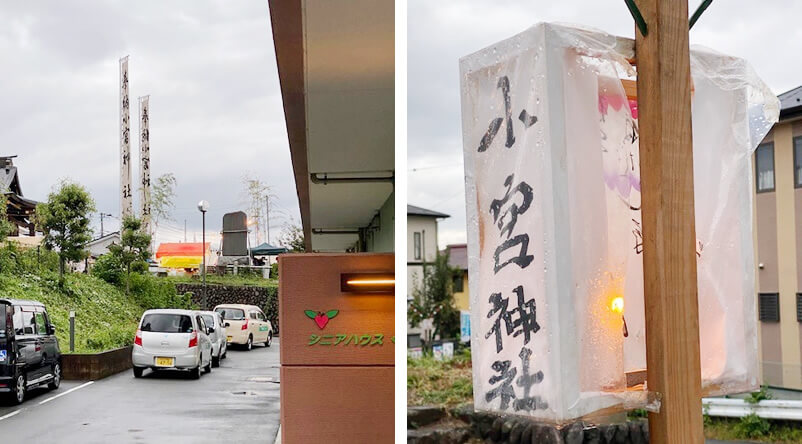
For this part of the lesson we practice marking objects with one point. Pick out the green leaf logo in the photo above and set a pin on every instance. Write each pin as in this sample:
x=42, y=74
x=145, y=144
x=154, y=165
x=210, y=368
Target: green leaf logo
x=332, y=313
x=310, y=314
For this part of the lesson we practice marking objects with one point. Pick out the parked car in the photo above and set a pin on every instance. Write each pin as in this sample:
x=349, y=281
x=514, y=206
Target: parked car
x=172, y=339
x=245, y=325
x=29, y=352
x=218, y=336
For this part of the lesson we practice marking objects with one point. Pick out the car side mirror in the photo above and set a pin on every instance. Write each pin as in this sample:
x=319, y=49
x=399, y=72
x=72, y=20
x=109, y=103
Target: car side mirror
x=51, y=329
x=227, y=325
x=210, y=330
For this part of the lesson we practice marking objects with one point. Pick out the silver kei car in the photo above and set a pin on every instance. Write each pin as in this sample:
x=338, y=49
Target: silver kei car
x=218, y=336
x=172, y=339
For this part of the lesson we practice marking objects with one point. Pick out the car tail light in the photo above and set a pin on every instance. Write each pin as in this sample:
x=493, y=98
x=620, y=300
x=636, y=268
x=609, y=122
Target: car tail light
x=193, y=339
x=138, y=338
x=245, y=325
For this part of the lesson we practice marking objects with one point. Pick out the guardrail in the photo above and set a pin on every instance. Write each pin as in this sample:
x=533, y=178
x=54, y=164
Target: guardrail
x=768, y=409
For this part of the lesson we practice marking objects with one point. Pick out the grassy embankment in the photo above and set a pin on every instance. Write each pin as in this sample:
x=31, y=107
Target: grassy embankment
x=105, y=317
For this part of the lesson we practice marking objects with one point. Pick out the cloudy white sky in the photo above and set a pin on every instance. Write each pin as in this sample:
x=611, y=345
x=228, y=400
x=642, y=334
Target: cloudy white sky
x=767, y=34
x=215, y=103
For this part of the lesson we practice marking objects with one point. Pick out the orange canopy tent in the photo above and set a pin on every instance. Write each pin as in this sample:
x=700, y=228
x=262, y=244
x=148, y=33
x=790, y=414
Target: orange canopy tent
x=181, y=255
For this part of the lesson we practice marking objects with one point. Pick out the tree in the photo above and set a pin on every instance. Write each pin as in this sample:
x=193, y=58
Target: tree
x=132, y=253
x=293, y=238
x=64, y=220
x=5, y=226
x=161, y=203
x=434, y=299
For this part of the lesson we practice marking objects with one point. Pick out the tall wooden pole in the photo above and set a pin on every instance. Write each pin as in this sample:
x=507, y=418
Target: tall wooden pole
x=669, y=235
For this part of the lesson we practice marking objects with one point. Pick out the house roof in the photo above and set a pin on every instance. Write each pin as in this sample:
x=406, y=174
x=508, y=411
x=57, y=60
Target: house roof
x=418, y=211
x=104, y=237
x=9, y=182
x=791, y=102
x=458, y=256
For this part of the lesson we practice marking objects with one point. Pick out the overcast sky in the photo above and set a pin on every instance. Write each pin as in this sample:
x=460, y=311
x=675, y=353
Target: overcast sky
x=767, y=34
x=215, y=104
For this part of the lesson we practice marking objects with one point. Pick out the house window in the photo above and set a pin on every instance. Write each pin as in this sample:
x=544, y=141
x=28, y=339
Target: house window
x=764, y=165
x=798, y=162
x=458, y=287
x=769, y=307
x=417, y=246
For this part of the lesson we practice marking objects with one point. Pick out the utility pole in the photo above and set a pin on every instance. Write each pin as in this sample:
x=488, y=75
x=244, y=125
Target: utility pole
x=185, y=231
x=267, y=220
x=102, y=215
x=669, y=233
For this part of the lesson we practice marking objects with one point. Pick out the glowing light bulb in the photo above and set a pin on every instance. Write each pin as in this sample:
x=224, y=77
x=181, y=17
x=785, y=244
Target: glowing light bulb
x=617, y=304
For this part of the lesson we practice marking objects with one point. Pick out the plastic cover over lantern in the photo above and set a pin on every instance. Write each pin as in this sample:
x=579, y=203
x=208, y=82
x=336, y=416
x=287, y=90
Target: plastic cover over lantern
x=550, y=137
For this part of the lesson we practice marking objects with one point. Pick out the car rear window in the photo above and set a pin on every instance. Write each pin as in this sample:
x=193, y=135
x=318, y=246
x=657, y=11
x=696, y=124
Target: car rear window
x=167, y=323
x=232, y=314
x=209, y=320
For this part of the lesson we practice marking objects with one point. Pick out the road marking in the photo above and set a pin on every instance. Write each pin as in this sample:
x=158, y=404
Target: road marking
x=15, y=412
x=65, y=393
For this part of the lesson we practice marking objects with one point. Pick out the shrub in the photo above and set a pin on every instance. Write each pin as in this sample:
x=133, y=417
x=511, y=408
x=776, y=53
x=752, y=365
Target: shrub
x=151, y=292
x=271, y=307
x=752, y=426
x=108, y=268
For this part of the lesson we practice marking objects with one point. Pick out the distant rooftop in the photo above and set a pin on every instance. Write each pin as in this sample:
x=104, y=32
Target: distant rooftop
x=791, y=102
x=418, y=211
x=458, y=256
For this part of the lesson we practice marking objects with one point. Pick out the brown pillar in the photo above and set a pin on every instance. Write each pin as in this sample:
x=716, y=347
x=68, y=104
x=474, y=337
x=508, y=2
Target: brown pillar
x=669, y=237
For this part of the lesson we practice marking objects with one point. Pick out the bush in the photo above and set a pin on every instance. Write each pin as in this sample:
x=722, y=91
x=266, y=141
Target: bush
x=271, y=307
x=752, y=426
x=109, y=268
x=152, y=292
x=17, y=259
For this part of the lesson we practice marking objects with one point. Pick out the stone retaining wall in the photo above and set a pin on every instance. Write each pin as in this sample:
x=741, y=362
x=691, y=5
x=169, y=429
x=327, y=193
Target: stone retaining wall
x=264, y=297
x=95, y=366
x=462, y=424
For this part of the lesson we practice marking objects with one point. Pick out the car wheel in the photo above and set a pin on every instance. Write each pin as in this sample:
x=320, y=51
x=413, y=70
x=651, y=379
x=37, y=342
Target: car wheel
x=195, y=373
x=269, y=339
x=225, y=351
x=208, y=368
x=56, y=377
x=138, y=372
x=19, y=389
x=249, y=344
x=215, y=362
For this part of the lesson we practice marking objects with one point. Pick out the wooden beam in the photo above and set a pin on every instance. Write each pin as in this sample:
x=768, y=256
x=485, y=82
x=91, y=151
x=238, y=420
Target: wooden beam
x=669, y=235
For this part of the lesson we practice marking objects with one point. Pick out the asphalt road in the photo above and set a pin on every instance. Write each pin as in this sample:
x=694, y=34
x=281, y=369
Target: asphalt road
x=236, y=402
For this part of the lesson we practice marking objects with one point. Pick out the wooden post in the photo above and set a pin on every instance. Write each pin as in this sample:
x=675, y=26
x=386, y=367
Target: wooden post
x=669, y=235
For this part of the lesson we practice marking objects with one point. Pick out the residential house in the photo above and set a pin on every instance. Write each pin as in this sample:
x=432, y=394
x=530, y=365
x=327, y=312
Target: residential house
x=458, y=260
x=421, y=249
x=100, y=245
x=778, y=236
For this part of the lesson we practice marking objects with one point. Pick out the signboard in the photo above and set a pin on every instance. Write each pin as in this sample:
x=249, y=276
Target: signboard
x=126, y=198
x=235, y=234
x=337, y=348
x=144, y=161
x=464, y=326
x=550, y=141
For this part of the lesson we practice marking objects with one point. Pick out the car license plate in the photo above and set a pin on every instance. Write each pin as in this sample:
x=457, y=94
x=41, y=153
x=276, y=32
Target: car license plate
x=164, y=362
x=228, y=338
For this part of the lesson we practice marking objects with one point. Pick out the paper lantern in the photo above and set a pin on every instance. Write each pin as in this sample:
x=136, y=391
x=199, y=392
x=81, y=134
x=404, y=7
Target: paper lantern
x=550, y=137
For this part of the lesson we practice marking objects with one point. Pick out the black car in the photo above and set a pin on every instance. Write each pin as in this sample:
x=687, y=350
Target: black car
x=29, y=353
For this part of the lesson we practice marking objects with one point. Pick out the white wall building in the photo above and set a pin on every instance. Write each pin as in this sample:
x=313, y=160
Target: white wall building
x=421, y=250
